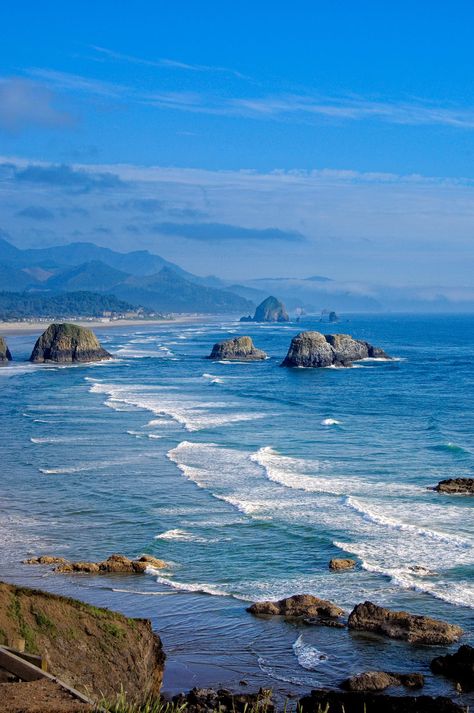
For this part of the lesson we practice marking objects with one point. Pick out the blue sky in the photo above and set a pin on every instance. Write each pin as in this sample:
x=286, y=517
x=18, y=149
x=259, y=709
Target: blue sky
x=244, y=138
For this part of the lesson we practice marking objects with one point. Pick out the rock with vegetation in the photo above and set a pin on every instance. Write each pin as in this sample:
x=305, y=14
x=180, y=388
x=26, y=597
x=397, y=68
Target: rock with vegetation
x=238, y=349
x=94, y=650
x=339, y=564
x=401, y=625
x=298, y=606
x=372, y=702
x=380, y=680
x=313, y=349
x=458, y=667
x=5, y=354
x=456, y=486
x=68, y=343
x=270, y=310
x=115, y=564
x=207, y=700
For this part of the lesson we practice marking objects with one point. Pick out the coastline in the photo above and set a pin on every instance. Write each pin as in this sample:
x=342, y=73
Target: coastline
x=16, y=328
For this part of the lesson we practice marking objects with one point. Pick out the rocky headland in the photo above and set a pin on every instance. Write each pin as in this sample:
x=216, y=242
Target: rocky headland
x=5, y=355
x=68, y=343
x=270, y=310
x=238, y=349
x=313, y=349
x=456, y=486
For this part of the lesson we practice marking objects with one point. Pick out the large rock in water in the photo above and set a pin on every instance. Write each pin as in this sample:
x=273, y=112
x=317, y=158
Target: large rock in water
x=456, y=486
x=380, y=680
x=401, y=625
x=94, y=650
x=238, y=349
x=5, y=355
x=458, y=667
x=270, y=310
x=297, y=606
x=313, y=349
x=68, y=343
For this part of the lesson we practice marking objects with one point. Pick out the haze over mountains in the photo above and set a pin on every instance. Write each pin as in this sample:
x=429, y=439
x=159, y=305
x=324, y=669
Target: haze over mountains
x=143, y=279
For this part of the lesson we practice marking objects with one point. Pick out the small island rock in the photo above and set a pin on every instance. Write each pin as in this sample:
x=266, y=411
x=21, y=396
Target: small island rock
x=68, y=343
x=115, y=564
x=380, y=680
x=313, y=349
x=238, y=349
x=338, y=564
x=299, y=605
x=5, y=354
x=458, y=667
x=400, y=625
x=456, y=486
x=270, y=310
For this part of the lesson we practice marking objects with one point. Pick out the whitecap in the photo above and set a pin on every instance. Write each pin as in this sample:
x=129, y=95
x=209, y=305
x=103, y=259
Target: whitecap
x=309, y=657
x=330, y=422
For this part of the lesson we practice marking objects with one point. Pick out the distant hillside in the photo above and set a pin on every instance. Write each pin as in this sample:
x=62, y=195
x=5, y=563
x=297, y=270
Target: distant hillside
x=28, y=305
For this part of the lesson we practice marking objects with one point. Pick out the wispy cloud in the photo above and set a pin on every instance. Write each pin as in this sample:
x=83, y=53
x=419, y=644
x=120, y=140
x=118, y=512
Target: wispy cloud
x=165, y=62
x=24, y=103
x=218, y=232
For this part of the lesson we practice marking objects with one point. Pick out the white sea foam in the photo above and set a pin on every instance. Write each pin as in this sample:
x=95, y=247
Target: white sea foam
x=196, y=588
x=330, y=422
x=309, y=657
x=213, y=379
x=60, y=439
x=186, y=536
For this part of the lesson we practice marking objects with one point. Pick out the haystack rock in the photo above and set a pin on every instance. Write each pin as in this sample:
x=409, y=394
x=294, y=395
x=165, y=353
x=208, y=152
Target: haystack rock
x=68, y=343
x=270, y=310
x=456, y=486
x=401, y=625
x=313, y=349
x=5, y=355
x=238, y=349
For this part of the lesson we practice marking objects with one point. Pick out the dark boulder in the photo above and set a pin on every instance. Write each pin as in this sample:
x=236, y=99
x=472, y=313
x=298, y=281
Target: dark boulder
x=401, y=625
x=380, y=680
x=298, y=606
x=270, y=310
x=5, y=354
x=68, y=343
x=370, y=702
x=313, y=349
x=458, y=667
x=238, y=349
x=456, y=486
x=207, y=700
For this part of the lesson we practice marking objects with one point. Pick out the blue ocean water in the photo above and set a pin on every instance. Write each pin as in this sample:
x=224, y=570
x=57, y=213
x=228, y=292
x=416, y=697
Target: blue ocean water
x=248, y=478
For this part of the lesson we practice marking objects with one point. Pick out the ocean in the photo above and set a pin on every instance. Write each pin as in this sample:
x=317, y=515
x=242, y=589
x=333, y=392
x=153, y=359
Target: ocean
x=248, y=478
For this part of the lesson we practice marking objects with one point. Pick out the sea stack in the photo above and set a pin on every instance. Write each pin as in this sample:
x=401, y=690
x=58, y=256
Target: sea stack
x=5, y=355
x=270, y=310
x=313, y=349
x=238, y=349
x=66, y=344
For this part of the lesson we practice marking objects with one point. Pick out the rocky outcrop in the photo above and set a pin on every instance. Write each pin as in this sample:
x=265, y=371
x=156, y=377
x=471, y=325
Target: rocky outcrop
x=380, y=680
x=370, y=702
x=207, y=700
x=68, y=343
x=456, y=486
x=115, y=564
x=96, y=651
x=313, y=349
x=339, y=564
x=401, y=625
x=298, y=606
x=458, y=667
x=5, y=354
x=270, y=310
x=238, y=349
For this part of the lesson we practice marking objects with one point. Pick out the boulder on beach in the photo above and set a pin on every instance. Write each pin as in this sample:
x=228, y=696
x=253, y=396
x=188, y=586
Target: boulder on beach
x=400, y=625
x=237, y=349
x=5, y=354
x=270, y=310
x=458, y=667
x=456, y=486
x=380, y=680
x=68, y=343
x=298, y=606
x=339, y=564
x=115, y=564
x=373, y=702
x=313, y=349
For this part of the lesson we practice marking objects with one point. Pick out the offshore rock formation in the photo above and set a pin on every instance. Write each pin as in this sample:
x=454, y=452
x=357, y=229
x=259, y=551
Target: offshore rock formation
x=313, y=349
x=298, y=606
x=340, y=564
x=371, y=702
x=5, y=355
x=456, y=486
x=115, y=564
x=270, y=310
x=458, y=667
x=94, y=650
x=238, y=349
x=68, y=343
x=401, y=625
x=380, y=680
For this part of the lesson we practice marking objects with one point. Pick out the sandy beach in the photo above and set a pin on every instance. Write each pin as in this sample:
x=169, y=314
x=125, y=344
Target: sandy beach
x=13, y=328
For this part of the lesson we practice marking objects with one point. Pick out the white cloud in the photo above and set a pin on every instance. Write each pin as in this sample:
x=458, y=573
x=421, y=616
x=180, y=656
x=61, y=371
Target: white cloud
x=24, y=103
